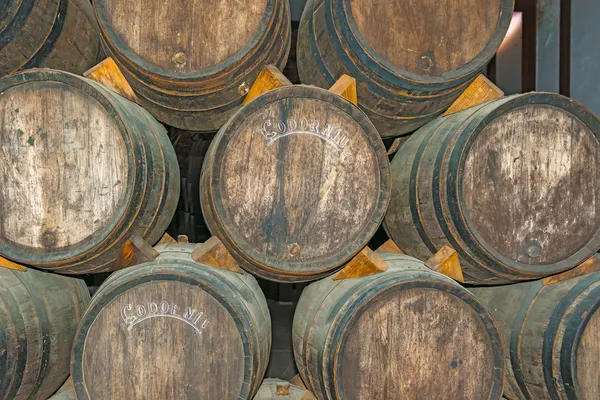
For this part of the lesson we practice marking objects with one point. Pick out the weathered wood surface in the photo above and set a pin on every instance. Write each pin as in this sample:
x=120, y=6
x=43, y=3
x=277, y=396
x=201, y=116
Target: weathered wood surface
x=551, y=335
x=480, y=91
x=346, y=87
x=66, y=391
x=406, y=333
x=276, y=389
x=446, y=262
x=39, y=314
x=177, y=329
x=108, y=74
x=295, y=184
x=406, y=77
x=82, y=171
x=365, y=263
x=191, y=64
x=511, y=185
x=61, y=34
x=269, y=78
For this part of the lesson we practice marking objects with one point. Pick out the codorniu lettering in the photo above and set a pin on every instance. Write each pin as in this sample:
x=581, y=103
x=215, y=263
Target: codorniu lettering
x=273, y=131
x=134, y=314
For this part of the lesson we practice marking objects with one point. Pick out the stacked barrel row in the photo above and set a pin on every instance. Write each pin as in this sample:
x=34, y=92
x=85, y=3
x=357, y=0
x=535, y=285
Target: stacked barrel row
x=293, y=186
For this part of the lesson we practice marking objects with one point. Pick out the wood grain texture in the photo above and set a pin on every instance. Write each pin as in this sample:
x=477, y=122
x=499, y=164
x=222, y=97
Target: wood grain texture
x=406, y=333
x=346, y=87
x=446, y=262
x=389, y=247
x=83, y=171
x=365, y=263
x=511, y=185
x=276, y=389
x=66, y=391
x=296, y=184
x=480, y=91
x=61, y=34
x=39, y=314
x=4, y=263
x=551, y=337
x=589, y=266
x=108, y=74
x=269, y=78
x=173, y=329
x=214, y=254
x=405, y=77
x=191, y=64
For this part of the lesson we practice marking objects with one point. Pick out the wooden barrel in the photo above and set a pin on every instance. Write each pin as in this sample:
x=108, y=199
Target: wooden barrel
x=295, y=184
x=406, y=333
x=61, y=34
x=66, y=391
x=39, y=314
x=192, y=63
x=512, y=186
x=411, y=59
x=551, y=335
x=276, y=389
x=178, y=329
x=82, y=170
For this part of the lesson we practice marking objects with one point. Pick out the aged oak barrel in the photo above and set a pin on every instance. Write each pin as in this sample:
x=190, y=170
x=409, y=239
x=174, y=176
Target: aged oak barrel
x=175, y=328
x=276, y=389
x=406, y=333
x=552, y=337
x=61, y=34
x=66, y=391
x=295, y=184
x=511, y=185
x=82, y=170
x=39, y=314
x=191, y=63
x=411, y=58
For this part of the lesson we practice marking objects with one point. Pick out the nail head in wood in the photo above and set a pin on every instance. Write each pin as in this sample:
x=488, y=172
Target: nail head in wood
x=214, y=254
x=346, y=87
x=446, y=262
x=269, y=78
x=365, y=263
x=107, y=73
x=480, y=91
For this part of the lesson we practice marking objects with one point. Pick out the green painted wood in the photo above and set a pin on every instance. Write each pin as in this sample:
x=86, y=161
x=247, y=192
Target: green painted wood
x=550, y=335
x=172, y=80
x=104, y=189
x=139, y=318
x=39, y=314
x=401, y=84
x=404, y=333
x=492, y=183
x=61, y=34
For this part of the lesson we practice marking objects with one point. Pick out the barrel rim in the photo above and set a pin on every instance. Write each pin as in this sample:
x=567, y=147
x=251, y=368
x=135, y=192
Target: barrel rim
x=29, y=255
x=458, y=160
x=238, y=245
x=391, y=73
x=343, y=324
x=112, y=40
x=140, y=276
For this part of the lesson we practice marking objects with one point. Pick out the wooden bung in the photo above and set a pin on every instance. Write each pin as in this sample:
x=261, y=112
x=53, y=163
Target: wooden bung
x=405, y=77
x=88, y=176
x=317, y=171
x=169, y=321
x=551, y=332
x=60, y=34
x=488, y=181
x=353, y=338
x=194, y=79
x=39, y=314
